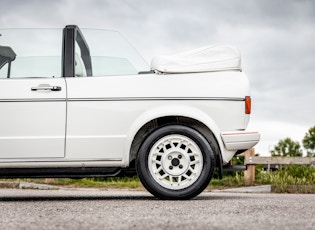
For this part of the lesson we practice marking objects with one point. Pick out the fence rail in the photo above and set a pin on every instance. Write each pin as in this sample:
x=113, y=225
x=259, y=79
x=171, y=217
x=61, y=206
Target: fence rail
x=279, y=160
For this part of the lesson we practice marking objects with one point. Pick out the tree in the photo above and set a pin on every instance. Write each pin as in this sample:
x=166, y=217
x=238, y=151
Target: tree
x=309, y=142
x=287, y=147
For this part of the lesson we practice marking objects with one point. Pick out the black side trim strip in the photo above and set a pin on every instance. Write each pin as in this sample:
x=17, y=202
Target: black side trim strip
x=57, y=172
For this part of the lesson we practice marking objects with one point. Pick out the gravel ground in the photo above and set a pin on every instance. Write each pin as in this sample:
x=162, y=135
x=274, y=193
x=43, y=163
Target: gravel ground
x=101, y=209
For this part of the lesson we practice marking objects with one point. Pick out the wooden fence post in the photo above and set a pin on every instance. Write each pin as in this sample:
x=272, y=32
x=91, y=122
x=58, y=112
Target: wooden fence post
x=249, y=174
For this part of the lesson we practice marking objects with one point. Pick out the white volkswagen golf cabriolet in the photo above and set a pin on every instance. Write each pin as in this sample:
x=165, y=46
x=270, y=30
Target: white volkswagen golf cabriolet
x=83, y=103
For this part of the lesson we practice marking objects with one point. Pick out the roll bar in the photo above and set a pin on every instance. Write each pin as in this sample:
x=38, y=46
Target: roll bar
x=71, y=35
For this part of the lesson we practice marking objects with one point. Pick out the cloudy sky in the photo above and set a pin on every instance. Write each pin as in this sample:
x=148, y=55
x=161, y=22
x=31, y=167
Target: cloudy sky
x=276, y=39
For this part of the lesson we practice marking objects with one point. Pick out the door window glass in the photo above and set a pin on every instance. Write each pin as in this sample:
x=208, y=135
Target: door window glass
x=30, y=53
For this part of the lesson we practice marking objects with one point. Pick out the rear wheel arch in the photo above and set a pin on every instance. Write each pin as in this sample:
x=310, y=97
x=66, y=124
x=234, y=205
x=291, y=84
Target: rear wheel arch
x=157, y=123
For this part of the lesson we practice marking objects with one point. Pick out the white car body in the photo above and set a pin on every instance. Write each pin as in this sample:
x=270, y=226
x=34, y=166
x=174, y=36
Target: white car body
x=95, y=121
x=99, y=117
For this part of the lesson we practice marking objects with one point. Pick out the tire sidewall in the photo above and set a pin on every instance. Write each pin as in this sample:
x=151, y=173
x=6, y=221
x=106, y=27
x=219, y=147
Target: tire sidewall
x=186, y=193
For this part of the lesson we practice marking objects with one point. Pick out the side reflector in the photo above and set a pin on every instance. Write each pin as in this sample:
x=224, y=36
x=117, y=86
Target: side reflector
x=248, y=105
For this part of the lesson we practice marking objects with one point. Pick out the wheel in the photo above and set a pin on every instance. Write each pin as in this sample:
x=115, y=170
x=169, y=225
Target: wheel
x=175, y=162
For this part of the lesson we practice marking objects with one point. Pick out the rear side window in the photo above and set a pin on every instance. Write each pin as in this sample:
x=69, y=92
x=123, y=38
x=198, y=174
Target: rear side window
x=111, y=54
x=32, y=53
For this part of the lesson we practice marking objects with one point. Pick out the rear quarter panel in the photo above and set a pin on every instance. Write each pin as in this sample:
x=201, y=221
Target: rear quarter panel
x=105, y=113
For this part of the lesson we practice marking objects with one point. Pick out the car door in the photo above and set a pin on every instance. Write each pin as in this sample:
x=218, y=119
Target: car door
x=98, y=112
x=32, y=95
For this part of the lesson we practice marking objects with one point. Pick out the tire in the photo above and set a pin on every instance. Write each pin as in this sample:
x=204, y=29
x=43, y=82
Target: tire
x=175, y=162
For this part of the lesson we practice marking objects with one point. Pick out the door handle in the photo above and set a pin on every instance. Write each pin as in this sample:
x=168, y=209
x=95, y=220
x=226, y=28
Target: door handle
x=45, y=87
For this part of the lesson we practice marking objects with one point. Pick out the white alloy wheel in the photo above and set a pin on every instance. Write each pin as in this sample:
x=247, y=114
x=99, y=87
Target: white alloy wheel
x=175, y=162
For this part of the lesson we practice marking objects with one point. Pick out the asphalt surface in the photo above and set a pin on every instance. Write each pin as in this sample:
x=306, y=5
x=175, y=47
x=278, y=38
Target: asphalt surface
x=101, y=209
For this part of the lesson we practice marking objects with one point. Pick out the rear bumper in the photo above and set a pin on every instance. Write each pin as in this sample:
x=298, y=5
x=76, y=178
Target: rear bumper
x=240, y=140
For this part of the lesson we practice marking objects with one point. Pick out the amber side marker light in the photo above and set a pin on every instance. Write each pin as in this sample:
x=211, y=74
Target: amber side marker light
x=248, y=105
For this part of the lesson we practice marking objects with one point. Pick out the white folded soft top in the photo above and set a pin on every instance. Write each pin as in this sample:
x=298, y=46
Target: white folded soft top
x=205, y=59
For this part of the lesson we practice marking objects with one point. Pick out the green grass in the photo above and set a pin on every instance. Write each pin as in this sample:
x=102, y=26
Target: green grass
x=110, y=182
x=291, y=179
x=228, y=181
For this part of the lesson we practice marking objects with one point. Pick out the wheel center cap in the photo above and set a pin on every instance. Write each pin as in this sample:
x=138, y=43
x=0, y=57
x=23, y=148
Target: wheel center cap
x=175, y=162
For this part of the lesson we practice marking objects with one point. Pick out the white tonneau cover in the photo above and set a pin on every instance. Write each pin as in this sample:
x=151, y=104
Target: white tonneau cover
x=205, y=59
